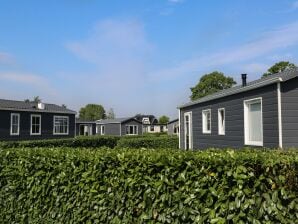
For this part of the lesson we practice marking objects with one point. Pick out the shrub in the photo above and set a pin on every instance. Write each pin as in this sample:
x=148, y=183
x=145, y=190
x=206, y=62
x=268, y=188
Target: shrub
x=147, y=186
x=149, y=142
x=92, y=141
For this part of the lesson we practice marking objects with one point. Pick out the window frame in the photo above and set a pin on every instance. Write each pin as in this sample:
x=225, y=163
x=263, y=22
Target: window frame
x=221, y=125
x=11, y=124
x=246, y=103
x=35, y=115
x=102, y=130
x=133, y=125
x=54, y=132
x=205, y=120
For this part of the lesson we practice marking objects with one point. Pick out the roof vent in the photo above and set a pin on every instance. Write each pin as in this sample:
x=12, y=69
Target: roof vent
x=41, y=106
x=243, y=76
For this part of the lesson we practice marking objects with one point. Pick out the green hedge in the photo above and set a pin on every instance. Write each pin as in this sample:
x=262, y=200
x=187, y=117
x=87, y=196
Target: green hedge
x=162, y=142
x=147, y=186
x=90, y=142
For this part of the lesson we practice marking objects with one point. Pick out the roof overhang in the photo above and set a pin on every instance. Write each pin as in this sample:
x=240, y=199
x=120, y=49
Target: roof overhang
x=38, y=111
x=233, y=91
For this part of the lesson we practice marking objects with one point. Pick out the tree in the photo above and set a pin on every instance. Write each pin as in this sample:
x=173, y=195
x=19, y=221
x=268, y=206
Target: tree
x=64, y=106
x=36, y=99
x=111, y=114
x=92, y=112
x=27, y=101
x=279, y=67
x=211, y=83
x=163, y=119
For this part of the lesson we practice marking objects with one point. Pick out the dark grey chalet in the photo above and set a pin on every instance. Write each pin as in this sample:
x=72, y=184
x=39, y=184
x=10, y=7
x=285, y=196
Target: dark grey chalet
x=260, y=113
x=119, y=126
x=85, y=127
x=21, y=120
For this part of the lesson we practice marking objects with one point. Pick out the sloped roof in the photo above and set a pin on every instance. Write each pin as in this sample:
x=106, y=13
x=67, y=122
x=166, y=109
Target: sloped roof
x=278, y=77
x=115, y=121
x=79, y=120
x=32, y=106
x=172, y=121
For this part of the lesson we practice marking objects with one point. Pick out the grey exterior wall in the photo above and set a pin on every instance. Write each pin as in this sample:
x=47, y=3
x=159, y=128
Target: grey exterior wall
x=110, y=129
x=289, y=112
x=171, y=127
x=47, y=125
x=234, y=118
x=131, y=122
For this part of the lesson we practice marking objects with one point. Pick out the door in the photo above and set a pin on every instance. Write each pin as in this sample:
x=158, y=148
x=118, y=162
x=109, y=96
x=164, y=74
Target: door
x=188, y=130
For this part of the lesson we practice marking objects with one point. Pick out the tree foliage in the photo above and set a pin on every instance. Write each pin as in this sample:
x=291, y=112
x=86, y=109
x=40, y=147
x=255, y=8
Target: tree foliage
x=279, y=67
x=92, y=112
x=211, y=83
x=163, y=119
x=111, y=114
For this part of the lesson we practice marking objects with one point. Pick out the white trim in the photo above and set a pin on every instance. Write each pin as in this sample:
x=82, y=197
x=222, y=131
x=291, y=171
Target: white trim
x=221, y=129
x=11, y=115
x=179, y=112
x=190, y=146
x=35, y=115
x=279, y=115
x=204, y=120
x=246, y=128
x=102, y=130
x=133, y=125
x=67, y=133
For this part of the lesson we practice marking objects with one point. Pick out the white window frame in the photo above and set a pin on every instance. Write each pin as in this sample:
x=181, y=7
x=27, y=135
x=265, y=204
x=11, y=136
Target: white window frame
x=102, y=130
x=54, y=132
x=221, y=122
x=11, y=115
x=190, y=130
x=246, y=128
x=35, y=115
x=204, y=121
x=137, y=129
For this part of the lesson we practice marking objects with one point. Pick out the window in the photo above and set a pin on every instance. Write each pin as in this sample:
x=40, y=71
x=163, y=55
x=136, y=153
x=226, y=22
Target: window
x=61, y=125
x=206, y=117
x=152, y=128
x=146, y=120
x=102, y=130
x=131, y=129
x=97, y=129
x=35, y=125
x=221, y=121
x=15, y=124
x=253, y=123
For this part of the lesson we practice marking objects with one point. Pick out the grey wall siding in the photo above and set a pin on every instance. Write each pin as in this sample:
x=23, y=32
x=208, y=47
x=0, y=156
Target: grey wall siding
x=110, y=129
x=81, y=123
x=47, y=126
x=289, y=112
x=171, y=127
x=234, y=115
x=131, y=122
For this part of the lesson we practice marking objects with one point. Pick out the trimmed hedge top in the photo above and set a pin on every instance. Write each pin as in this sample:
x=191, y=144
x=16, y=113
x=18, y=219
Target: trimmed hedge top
x=148, y=186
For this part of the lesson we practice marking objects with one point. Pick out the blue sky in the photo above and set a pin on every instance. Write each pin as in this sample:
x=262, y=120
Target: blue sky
x=138, y=56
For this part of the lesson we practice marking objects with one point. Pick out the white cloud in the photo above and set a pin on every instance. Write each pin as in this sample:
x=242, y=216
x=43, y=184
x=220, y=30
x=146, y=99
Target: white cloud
x=29, y=81
x=119, y=52
x=295, y=5
x=6, y=58
x=280, y=38
x=175, y=1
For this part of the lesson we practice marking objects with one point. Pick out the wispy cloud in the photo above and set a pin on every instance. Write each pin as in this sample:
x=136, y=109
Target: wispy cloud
x=295, y=5
x=27, y=80
x=280, y=38
x=175, y=1
x=119, y=51
x=6, y=58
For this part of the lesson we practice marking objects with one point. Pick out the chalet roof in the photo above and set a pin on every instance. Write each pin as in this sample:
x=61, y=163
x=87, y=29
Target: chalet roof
x=115, y=121
x=32, y=107
x=275, y=78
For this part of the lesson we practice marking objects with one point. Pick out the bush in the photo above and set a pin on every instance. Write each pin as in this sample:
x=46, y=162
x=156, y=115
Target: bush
x=165, y=142
x=148, y=186
x=90, y=142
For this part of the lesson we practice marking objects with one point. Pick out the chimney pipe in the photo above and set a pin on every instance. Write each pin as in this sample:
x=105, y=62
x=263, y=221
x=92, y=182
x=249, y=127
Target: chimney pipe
x=243, y=76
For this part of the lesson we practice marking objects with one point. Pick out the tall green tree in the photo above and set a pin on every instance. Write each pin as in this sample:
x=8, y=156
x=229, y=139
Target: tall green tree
x=163, y=119
x=211, y=83
x=111, y=114
x=92, y=112
x=279, y=67
x=36, y=99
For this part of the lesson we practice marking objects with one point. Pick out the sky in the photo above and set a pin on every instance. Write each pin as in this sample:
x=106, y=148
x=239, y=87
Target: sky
x=137, y=56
